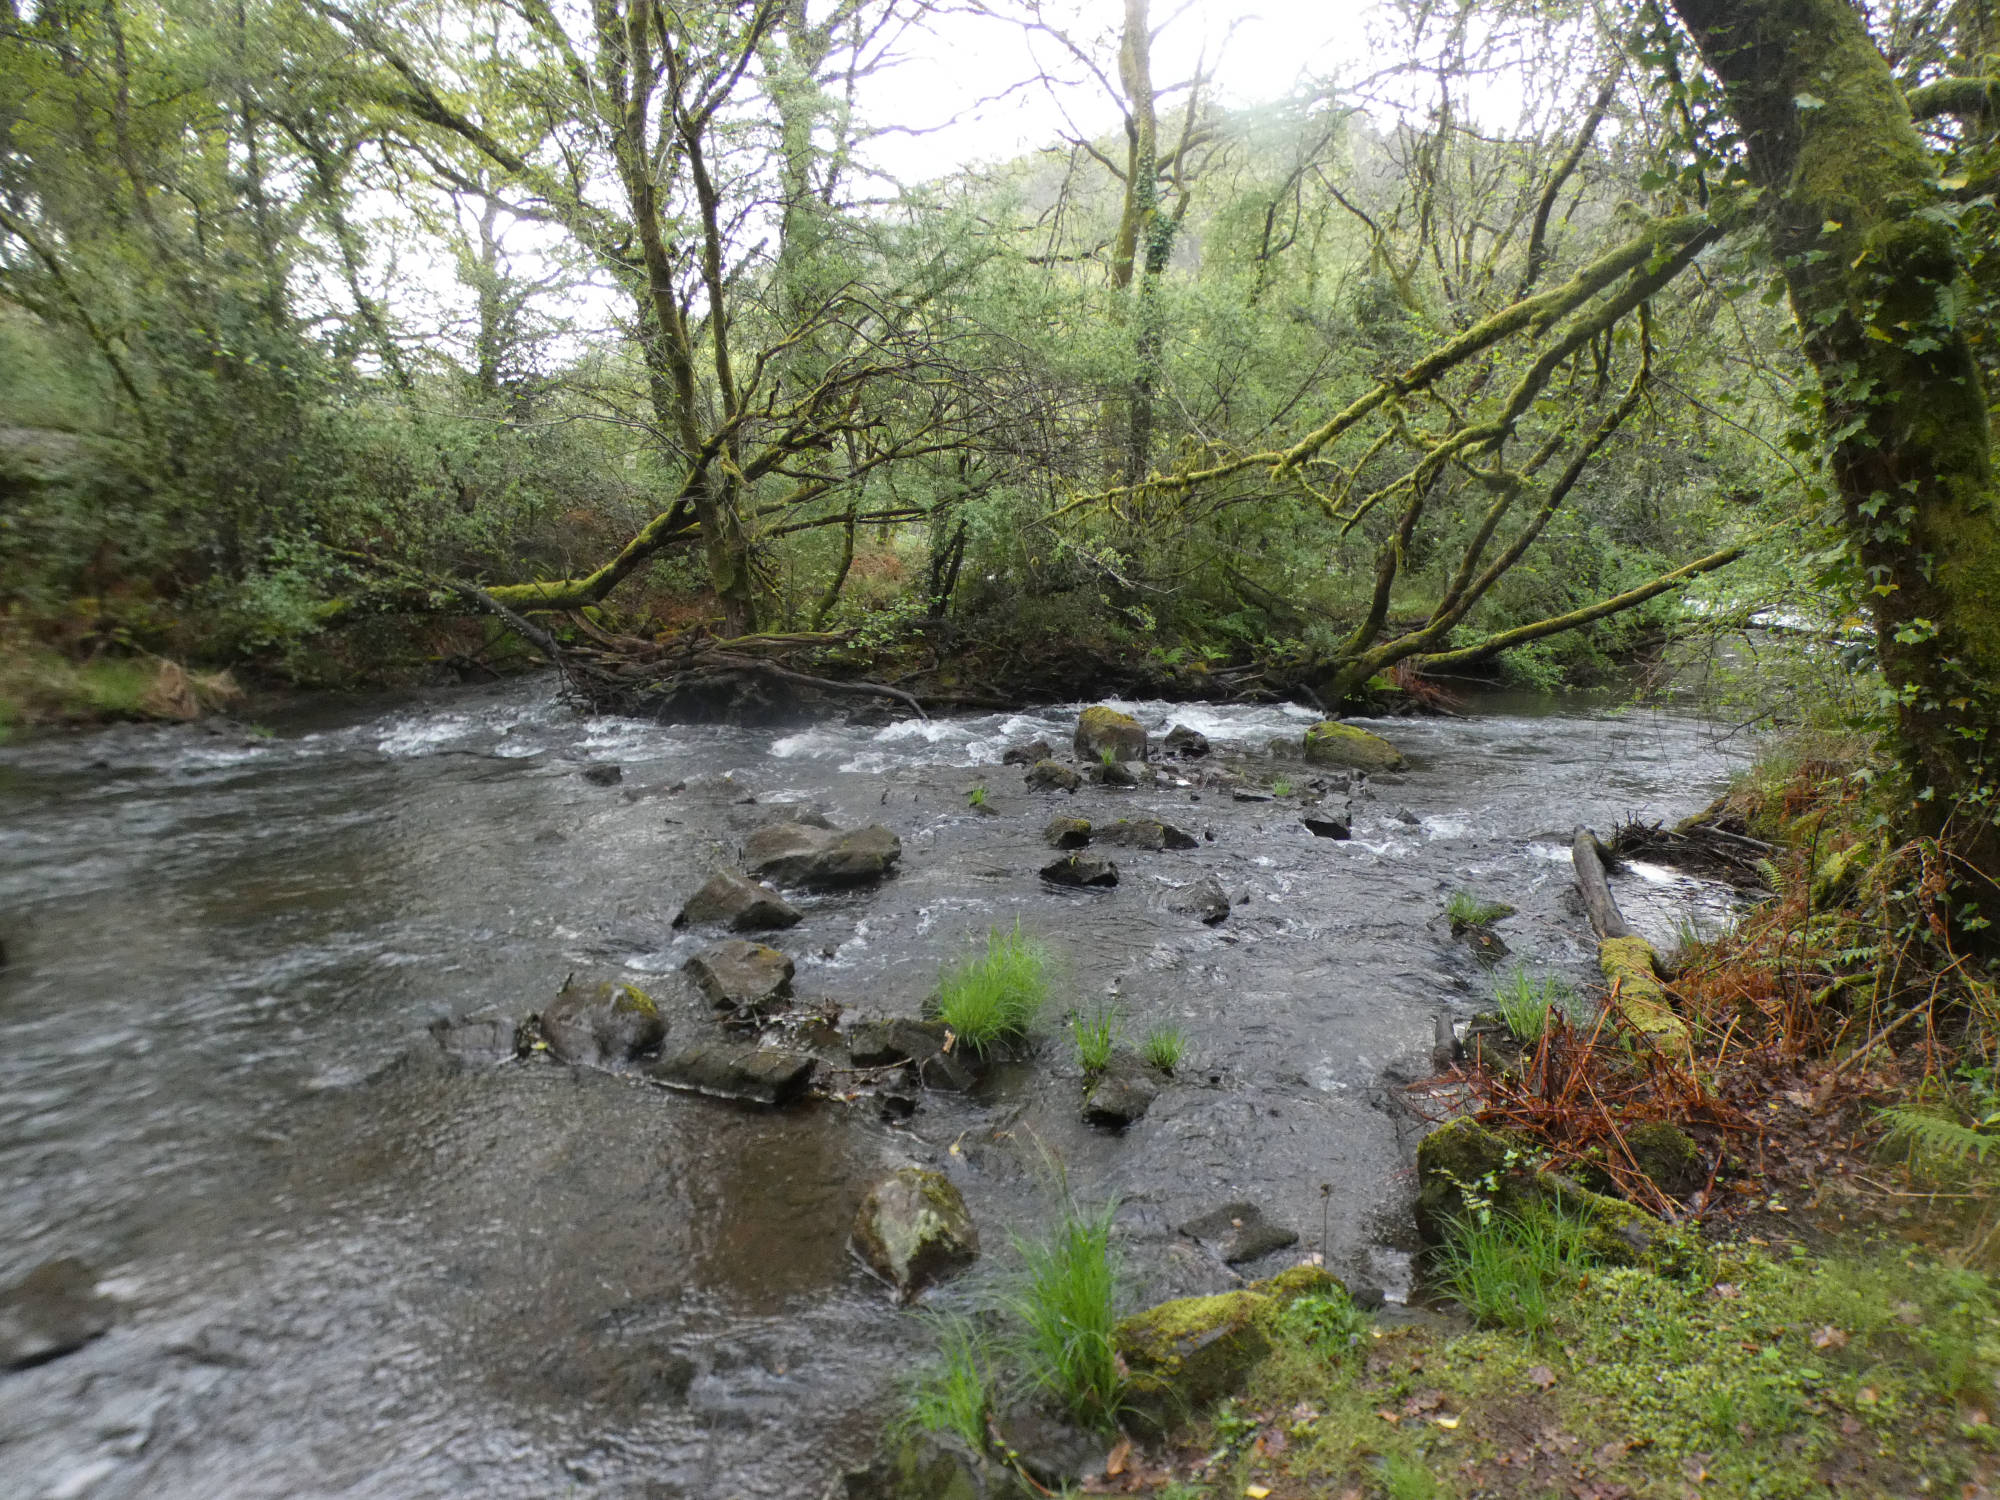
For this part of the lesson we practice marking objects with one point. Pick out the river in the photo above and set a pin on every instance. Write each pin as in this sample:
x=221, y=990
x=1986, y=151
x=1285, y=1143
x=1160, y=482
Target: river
x=344, y=1268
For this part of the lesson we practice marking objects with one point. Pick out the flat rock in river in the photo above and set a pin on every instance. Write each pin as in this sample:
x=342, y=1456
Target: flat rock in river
x=1080, y=870
x=1053, y=776
x=1122, y=1093
x=484, y=1037
x=1148, y=833
x=1239, y=1232
x=796, y=853
x=602, y=1025
x=51, y=1311
x=741, y=904
x=742, y=975
x=927, y=1046
x=757, y=1075
x=1028, y=754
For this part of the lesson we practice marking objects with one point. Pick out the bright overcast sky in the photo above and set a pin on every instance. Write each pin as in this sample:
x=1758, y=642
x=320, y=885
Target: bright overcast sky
x=959, y=60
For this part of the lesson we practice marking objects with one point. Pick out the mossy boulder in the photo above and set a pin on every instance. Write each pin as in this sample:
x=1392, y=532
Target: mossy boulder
x=1067, y=833
x=1186, y=1353
x=934, y=1466
x=1053, y=776
x=1332, y=744
x=1668, y=1156
x=602, y=1025
x=1100, y=729
x=913, y=1229
x=1631, y=970
x=1463, y=1164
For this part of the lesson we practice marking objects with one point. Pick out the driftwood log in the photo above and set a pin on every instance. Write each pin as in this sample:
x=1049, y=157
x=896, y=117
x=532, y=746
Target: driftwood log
x=1627, y=961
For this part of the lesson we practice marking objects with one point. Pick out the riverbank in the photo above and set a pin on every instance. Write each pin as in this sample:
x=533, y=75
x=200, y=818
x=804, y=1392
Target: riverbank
x=1811, y=1314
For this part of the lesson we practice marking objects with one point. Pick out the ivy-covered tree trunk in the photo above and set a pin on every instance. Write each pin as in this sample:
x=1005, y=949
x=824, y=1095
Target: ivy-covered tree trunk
x=1879, y=292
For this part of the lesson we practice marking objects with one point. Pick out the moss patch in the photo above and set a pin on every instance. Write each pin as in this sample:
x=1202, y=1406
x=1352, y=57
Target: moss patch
x=1632, y=968
x=1332, y=744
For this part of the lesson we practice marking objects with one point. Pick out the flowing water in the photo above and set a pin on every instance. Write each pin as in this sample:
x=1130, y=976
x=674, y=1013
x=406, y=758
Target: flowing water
x=346, y=1269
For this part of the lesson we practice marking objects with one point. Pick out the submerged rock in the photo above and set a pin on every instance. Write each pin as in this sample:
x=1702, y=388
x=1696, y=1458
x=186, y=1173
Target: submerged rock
x=1028, y=754
x=1148, y=833
x=52, y=1311
x=741, y=904
x=1053, y=776
x=913, y=1230
x=1205, y=900
x=1186, y=743
x=757, y=1075
x=1239, y=1232
x=742, y=975
x=798, y=853
x=1099, y=729
x=1285, y=747
x=1067, y=833
x=606, y=775
x=1081, y=870
x=484, y=1037
x=602, y=1025
x=1122, y=1093
x=1333, y=744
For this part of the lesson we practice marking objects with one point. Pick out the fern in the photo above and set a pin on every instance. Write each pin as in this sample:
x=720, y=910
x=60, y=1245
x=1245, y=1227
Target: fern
x=1937, y=1139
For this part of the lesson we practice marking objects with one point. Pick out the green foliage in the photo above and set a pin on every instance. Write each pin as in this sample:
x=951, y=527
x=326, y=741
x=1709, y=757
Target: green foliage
x=1281, y=789
x=1165, y=1047
x=1065, y=1305
x=1463, y=909
x=1326, y=1324
x=976, y=797
x=996, y=996
x=1096, y=1036
x=1525, y=1004
x=1503, y=1267
x=1408, y=1478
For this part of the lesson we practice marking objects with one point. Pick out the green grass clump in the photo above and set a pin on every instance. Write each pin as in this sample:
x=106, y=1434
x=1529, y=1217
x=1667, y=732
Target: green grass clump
x=949, y=1395
x=1095, y=1035
x=1525, y=1004
x=1328, y=1325
x=1065, y=1306
x=1165, y=1047
x=995, y=997
x=1502, y=1267
x=1281, y=789
x=1463, y=909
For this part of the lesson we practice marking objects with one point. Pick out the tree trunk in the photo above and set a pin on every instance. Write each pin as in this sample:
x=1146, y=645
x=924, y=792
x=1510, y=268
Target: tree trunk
x=1878, y=287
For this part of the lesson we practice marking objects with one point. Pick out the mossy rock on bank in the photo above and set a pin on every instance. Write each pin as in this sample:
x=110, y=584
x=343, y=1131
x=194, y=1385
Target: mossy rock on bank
x=1631, y=969
x=1667, y=1155
x=1099, y=729
x=1463, y=1164
x=1183, y=1354
x=934, y=1466
x=1333, y=744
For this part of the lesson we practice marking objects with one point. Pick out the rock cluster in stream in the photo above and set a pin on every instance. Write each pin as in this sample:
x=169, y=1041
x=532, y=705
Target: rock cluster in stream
x=913, y=1228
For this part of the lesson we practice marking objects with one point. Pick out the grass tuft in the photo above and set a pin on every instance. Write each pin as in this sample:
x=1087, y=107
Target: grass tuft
x=1095, y=1035
x=995, y=997
x=949, y=1395
x=1463, y=909
x=1165, y=1047
x=1501, y=1267
x=1066, y=1305
x=1525, y=1004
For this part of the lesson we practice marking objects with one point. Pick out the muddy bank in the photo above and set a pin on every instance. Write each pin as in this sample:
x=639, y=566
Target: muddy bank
x=339, y=1264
